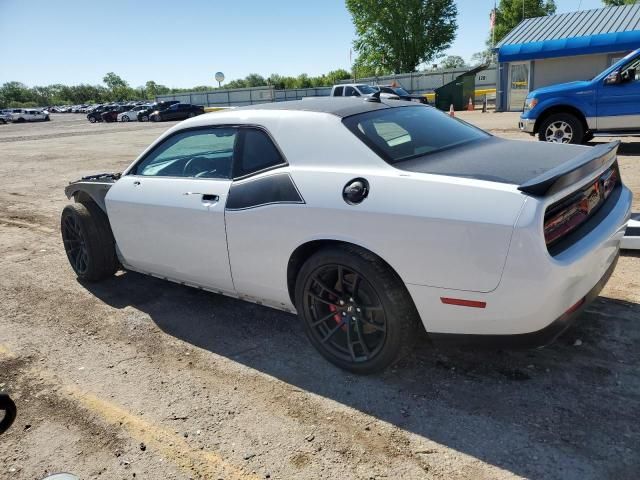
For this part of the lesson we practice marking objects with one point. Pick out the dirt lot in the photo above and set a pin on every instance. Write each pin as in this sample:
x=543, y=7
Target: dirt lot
x=139, y=378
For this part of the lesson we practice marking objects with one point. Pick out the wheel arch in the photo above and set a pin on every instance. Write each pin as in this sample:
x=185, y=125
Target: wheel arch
x=89, y=191
x=562, y=108
x=307, y=249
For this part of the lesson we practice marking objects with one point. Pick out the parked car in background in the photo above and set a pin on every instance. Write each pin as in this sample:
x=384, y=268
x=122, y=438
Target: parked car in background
x=131, y=115
x=575, y=112
x=5, y=117
x=358, y=90
x=95, y=115
x=111, y=115
x=177, y=111
x=402, y=94
x=143, y=115
x=20, y=115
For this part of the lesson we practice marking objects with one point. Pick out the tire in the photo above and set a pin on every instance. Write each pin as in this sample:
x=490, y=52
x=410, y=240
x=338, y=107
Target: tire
x=191, y=114
x=366, y=328
x=47, y=119
x=561, y=128
x=92, y=119
x=20, y=120
x=88, y=241
x=125, y=118
x=587, y=137
x=144, y=118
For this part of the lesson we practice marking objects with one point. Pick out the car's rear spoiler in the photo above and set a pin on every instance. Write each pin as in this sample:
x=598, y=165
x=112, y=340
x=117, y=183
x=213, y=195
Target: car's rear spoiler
x=572, y=171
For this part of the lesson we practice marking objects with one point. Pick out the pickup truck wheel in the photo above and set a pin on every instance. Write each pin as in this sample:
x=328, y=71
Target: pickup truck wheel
x=88, y=241
x=561, y=128
x=356, y=311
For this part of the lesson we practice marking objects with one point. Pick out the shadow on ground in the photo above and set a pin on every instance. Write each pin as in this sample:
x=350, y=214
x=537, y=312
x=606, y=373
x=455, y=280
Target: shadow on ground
x=567, y=411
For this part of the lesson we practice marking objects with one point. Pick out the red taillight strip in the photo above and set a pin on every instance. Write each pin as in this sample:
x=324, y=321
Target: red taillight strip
x=463, y=303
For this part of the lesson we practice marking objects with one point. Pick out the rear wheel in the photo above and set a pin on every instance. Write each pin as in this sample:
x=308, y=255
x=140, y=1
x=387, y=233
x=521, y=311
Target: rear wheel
x=92, y=119
x=125, y=118
x=356, y=311
x=88, y=241
x=561, y=128
x=144, y=118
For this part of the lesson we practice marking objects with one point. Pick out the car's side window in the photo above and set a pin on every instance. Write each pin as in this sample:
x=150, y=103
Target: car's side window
x=257, y=152
x=351, y=92
x=338, y=91
x=202, y=153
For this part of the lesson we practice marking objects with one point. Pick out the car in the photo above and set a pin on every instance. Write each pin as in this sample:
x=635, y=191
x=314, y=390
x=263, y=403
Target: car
x=631, y=240
x=402, y=94
x=177, y=111
x=372, y=219
x=131, y=115
x=95, y=114
x=21, y=115
x=111, y=115
x=143, y=115
x=358, y=90
x=575, y=112
x=5, y=117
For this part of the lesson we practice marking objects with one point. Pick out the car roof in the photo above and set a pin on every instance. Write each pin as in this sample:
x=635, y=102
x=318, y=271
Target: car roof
x=338, y=106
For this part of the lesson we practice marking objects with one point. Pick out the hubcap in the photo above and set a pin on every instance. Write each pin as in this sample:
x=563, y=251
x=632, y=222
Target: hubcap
x=347, y=316
x=559, y=132
x=75, y=245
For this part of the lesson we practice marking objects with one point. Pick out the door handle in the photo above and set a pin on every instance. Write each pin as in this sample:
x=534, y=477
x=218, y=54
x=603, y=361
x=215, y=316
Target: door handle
x=206, y=197
x=136, y=183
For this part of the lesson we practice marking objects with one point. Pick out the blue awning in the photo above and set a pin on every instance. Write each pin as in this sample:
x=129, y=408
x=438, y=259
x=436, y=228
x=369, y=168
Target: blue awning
x=566, y=47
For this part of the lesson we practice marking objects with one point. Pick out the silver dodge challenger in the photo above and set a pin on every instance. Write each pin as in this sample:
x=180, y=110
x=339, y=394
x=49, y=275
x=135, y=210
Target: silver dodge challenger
x=370, y=218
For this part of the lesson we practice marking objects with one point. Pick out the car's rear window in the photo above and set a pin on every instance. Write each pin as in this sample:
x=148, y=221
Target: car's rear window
x=403, y=133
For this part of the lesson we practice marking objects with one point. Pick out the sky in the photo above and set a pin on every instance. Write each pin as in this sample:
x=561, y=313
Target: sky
x=183, y=43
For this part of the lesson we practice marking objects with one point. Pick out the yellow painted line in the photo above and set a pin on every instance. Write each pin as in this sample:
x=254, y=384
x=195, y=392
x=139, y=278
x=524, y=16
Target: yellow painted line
x=173, y=447
x=215, y=109
x=5, y=352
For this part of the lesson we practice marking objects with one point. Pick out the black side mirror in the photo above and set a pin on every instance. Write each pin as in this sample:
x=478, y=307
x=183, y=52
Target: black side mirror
x=614, y=78
x=10, y=411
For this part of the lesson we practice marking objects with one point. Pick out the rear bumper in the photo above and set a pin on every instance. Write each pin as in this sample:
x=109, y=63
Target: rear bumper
x=539, y=338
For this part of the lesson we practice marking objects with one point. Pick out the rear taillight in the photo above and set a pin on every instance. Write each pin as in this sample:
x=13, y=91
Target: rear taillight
x=565, y=216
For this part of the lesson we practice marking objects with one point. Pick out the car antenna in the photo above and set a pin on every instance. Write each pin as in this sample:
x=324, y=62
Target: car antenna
x=375, y=97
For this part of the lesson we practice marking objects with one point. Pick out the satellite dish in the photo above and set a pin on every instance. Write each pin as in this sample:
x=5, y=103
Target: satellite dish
x=219, y=77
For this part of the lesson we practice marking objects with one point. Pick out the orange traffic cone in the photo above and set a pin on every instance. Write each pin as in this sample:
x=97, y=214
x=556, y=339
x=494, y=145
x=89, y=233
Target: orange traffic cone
x=470, y=106
x=452, y=112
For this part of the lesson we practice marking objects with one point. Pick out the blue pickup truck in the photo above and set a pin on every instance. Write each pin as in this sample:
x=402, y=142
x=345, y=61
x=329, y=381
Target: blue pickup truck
x=575, y=112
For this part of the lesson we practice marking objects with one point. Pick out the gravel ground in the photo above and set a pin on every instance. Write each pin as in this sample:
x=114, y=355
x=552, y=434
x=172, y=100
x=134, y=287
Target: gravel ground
x=136, y=377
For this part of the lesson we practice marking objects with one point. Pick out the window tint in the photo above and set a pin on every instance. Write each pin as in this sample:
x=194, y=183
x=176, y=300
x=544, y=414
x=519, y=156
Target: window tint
x=338, y=91
x=196, y=153
x=403, y=133
x=366, y=89
x=351, y=92
x=258, y=153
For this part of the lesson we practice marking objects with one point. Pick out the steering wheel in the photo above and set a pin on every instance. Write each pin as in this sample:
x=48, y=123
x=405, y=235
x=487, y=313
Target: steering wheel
x=192, y=169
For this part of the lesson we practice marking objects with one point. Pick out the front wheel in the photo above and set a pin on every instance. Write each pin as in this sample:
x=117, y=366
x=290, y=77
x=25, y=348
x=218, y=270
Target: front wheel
x=561, y=128
x=88, y=241
x=92, y=119
x=144, y=118
x=125, y=118
x=356, y=311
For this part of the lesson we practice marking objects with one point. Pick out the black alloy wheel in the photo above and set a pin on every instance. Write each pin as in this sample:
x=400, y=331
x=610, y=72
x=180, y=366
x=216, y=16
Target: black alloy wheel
x=75, y=244
x=356, y=311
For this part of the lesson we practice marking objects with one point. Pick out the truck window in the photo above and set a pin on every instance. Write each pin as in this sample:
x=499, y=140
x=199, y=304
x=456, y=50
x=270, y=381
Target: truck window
x=351, y=92
x=337, y=92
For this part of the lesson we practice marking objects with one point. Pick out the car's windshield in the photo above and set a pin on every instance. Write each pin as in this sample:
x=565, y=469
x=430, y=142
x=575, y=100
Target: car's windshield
x=403, y=133
x=401, y=91
x=366, y=89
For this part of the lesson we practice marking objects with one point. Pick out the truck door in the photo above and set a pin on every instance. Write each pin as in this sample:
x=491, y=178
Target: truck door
x=618, y=105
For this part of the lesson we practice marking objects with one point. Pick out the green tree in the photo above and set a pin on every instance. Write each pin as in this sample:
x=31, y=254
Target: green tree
x=617, y=3
x=398, y=37
x=453, y=61
x=511, y=12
